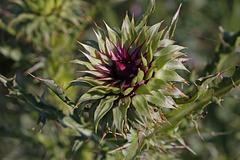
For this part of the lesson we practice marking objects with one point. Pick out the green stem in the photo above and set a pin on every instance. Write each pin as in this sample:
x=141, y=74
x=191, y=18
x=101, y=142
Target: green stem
x=227, y=85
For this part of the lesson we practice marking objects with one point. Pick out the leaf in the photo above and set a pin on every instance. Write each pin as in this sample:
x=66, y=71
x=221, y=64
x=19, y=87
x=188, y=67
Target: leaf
x=149, y=74
x=134, y=80
x=112, y=34
x=69, y=122
x=149, y=54
x=169, y=76
x=101, y=43
x=128, y=91
x=195, y=123
x=56, y=89
x=7, y=28
x=170, y=49
x=104, y=106
x=45, y=110
x=180, y=139
x=81, y=61
x=132, y=149
x=85, y=81
x=161, y=61
x=140, y=75
x=164, y=43
x=21, y=18
x=142, y=89
x=144, y=61
x=127, y=31
x=167, y=99
x=120, y=113
x=173, y=91
x=110, y=51
x=90, y=49
x=149, y=9
x=96, y=73
x=98, y=92
x=174, y=64
x=153, y=30
x=107, y=122
x=93, y=60
x=76, y=146
x=141, y=105
x=4, y=80
x=154, y=43
x=157, y=101
x=206, y=81
x=171, y=28
x=9, y=52
x=135, y=117
x=156, y=84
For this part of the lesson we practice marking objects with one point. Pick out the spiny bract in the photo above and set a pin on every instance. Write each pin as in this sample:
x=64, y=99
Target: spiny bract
x=131, y=72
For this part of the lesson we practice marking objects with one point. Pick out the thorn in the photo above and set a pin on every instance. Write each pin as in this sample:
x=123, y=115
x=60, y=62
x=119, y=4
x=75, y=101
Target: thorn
x=140, y=142
x=104, y=135
x=34, y=76
x=189, y=149
x=234, y=83
x=196, y=84
x=217, y=100
x=163, y=117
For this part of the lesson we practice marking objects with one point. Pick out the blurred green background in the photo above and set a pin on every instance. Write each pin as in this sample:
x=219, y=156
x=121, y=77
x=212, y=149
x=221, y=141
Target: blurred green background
x=40, y=37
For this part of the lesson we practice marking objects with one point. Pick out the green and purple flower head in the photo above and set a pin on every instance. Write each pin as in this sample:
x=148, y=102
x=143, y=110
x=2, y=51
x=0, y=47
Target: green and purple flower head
x=131, y=72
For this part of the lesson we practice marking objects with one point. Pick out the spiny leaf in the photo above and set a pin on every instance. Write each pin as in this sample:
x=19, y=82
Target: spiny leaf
x=101, y=42
x=153, y=30
x=205, y=84
x=141, y=105
x=45, y=110
x=156, y=84
x=161, y=61
x=86, y=81
x=120, y=113
x=90, y=49
x=169, y=49
x=112, y=34
x=169, y=76
x=174, y=64
x=157, y=101
x=82, y=62
x=142, y=89
x=135, y=117
x=168, y=101
x=171, y=28
x=98, y=92
x=93, y=60
x=132, y=149
x=155, y=41
x=196, y=126
x=149, y=9
x=104, y=106
x=173, y=91
x=56, y=89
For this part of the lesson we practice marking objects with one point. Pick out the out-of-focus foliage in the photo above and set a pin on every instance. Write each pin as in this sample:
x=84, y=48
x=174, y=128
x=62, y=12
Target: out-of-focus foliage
x=47, y=23
x=40, y=37
x=197, y=29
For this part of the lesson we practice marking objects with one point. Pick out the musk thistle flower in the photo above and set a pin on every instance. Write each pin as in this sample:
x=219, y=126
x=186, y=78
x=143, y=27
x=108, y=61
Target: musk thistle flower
x=131, y=72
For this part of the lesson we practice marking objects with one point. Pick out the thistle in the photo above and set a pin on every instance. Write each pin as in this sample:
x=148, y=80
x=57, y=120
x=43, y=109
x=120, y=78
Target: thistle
x=38, y=21
x=131, y=72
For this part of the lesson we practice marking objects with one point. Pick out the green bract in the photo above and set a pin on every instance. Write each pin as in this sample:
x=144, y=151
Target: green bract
x=131, y=72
